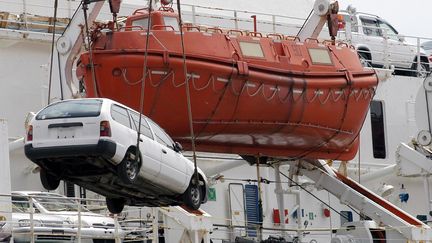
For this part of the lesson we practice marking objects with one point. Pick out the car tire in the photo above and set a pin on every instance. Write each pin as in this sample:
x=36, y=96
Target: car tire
x=424, y=70
x=365, y=59
x=48, y=181
x=193, y=195
x=128, y=169
x=115, y=205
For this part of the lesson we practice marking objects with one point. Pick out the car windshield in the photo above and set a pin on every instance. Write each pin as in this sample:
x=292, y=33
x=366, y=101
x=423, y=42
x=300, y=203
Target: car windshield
x=71, y=109
x=57, y=203
x=427, y=45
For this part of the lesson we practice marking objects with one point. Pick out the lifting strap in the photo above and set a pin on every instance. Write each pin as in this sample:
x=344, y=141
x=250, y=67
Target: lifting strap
x=143, y=81
x=196, y=181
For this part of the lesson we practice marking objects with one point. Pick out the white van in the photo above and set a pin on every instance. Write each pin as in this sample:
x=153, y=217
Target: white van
x=93, y=143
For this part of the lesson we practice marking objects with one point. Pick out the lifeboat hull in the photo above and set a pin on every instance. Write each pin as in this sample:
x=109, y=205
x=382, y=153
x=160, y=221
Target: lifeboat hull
x=282, y=105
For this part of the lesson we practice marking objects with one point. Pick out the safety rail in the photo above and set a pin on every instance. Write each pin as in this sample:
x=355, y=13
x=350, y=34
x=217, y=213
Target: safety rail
x=401, y=53
x=234, y=22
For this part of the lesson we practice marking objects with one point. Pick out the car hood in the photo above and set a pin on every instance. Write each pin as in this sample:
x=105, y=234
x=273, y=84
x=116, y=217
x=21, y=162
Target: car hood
x=86, y=217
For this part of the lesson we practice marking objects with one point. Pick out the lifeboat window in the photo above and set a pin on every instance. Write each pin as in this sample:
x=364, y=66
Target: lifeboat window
x=378, y=129
x=320, y=56
x=171, y=21
x=251, y=49
x=141, y=22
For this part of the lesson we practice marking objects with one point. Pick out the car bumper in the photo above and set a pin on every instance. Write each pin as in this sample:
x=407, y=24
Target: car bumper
x=104, y=148
x=44, y=234
x=101, y=233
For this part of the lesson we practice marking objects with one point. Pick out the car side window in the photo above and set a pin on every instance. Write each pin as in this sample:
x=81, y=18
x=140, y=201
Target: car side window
x=371, y=27
x=120, y=115
x=21, y=205
x=161, y=136
x=145, y=129
x=389, y=31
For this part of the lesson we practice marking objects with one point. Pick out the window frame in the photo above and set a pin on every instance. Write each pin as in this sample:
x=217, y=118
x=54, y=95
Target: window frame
x=378, y=130
x=155, y=127
x=143, y=122
x=127, y=115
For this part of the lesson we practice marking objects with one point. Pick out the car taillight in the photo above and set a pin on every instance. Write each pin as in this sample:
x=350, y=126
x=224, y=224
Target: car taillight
x=105, y=129
x=430, y=58
x=341, y=22
x=30, y=133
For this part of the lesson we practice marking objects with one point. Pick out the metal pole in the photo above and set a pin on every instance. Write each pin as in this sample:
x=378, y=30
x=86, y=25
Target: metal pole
x=428, y=196
x=193, y=15
x=79, y=221
x=32, y=236
x=235, y=20
x=259, y=228
x=155, y=225
x=280, y=198
x=274, y=23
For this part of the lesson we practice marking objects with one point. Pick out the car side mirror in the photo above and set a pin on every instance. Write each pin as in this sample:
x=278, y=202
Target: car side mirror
x=401, y=38
x=178, y=147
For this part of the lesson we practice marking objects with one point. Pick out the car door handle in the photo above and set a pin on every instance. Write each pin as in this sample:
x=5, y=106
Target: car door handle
x=164, y=151
x=141, y=140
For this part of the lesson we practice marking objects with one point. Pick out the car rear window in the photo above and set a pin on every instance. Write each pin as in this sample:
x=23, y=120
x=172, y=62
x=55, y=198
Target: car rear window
x=71, y=109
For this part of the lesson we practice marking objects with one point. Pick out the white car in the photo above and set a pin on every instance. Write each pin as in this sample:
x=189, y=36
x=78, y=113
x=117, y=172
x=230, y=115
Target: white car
x=55, y=218
x=379, y=44
x=93, y=143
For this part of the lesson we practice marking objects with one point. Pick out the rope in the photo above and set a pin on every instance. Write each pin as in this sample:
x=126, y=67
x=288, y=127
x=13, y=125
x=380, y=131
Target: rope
x=188, y=94
x=143, y=82
x=52, y=51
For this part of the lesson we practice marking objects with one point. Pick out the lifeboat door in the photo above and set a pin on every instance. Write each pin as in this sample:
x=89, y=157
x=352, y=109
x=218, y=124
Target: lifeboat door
x=237, y=210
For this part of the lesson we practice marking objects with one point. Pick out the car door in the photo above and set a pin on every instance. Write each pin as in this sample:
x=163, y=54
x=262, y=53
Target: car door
x=373, y=39
x=401, y=54
x=173, y=167
x=150, y=151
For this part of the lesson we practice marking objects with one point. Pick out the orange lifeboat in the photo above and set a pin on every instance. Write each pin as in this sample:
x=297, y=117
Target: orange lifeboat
x=250, y=95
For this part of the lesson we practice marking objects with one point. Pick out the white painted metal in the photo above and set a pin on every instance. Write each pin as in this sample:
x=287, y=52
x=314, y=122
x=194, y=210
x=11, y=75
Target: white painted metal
x=325, y=178
x=186, y=227
x=313, y=26
x=69, y=46
x=5, y=181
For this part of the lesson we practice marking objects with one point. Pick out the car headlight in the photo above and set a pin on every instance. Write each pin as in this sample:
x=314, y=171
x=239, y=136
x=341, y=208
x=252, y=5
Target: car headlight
x=68, y=222
x=28, y=223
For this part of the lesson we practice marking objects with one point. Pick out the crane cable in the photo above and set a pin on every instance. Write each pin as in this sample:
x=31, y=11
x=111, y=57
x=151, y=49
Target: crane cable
x=52, y=52
x=145, y=69
x=196, y=181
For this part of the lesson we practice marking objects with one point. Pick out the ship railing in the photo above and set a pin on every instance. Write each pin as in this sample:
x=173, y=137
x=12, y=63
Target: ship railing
x=394, y=51
x=209, y=18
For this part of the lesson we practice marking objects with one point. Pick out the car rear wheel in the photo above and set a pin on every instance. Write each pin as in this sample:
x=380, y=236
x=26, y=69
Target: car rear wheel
x=129, y=168
x=115, y=205
x=48, y=181
x=192, y=196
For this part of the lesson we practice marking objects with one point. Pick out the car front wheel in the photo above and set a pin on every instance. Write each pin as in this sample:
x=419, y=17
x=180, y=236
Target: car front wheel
x=115, y=205
x=423, y=70
x=192, y=196
x=48, y=181
x=129, y=168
